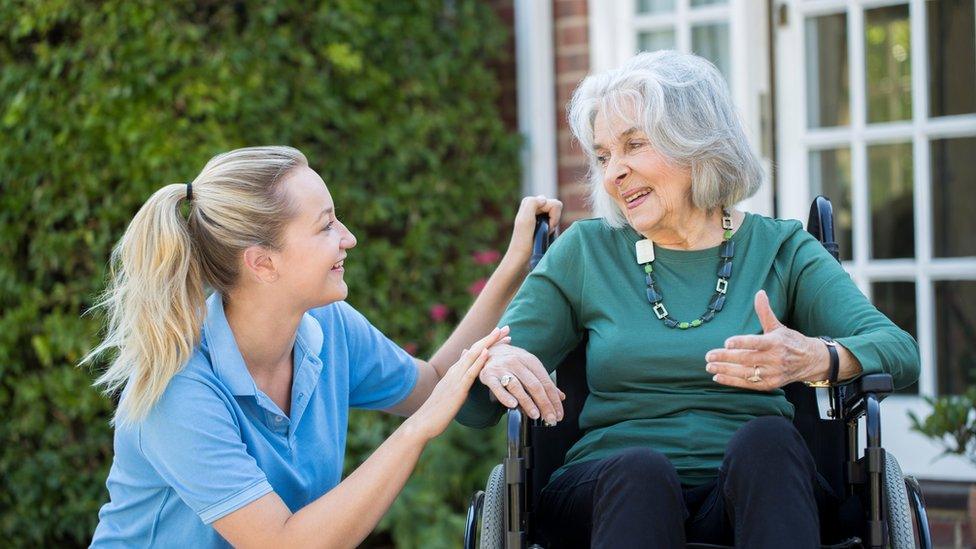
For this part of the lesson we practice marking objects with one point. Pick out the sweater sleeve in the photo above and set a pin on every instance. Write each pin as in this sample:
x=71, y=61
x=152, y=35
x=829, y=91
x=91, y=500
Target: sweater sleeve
x=543, y=318
x=825, y=301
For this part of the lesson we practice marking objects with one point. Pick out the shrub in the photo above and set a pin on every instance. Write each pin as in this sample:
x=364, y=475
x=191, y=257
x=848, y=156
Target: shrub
x=101, y=103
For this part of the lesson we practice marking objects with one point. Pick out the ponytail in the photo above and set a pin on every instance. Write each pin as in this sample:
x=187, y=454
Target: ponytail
x=155, y=305
x=155, y=300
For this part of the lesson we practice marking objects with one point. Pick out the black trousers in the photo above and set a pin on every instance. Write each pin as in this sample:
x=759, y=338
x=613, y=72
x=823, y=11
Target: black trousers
x=767, y=494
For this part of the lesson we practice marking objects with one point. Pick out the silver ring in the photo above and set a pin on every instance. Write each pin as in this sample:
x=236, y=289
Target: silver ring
x=505, y=380
x=755, y=375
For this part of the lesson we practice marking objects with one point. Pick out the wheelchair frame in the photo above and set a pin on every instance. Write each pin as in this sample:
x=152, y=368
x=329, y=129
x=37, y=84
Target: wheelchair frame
x=849, y=474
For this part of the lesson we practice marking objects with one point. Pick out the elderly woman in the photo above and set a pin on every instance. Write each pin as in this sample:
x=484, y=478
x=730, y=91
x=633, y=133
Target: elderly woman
x=694, y=316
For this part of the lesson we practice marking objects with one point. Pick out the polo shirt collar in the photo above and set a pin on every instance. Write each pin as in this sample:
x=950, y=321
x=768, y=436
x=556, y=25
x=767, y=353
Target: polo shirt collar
x=225, y=355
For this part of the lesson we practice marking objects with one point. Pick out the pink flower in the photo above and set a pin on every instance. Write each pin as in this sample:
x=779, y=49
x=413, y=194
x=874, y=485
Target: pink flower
x=486, y=257
x=439, y=312
x=476, y=287
x=410, y=348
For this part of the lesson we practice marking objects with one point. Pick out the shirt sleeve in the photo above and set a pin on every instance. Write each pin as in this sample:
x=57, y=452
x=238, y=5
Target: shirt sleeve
x=543, y=318
x=381, y=374
x=827, y=302
x=192, y=440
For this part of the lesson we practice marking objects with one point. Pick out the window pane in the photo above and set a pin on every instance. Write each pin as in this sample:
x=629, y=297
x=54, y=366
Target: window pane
x=897, y=301
x=888, y=62
x=952, y=56
x=830, y=175
x=955, y=333
x=655, y=6
x=656, y=40
x=953, y=197
x=707, y=2
x=892, y=210
x=712, y=43
x=828, y=103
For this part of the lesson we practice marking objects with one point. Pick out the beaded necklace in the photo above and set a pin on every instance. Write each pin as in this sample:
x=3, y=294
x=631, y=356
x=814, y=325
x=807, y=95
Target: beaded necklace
x=645, y=257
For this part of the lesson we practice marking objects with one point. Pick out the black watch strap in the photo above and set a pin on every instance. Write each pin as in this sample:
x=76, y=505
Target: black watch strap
x=834, y=359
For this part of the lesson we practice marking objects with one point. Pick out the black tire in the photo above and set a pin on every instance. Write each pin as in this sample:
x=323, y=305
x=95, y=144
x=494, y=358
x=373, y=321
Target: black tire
x=493, y=512
x=898, y=511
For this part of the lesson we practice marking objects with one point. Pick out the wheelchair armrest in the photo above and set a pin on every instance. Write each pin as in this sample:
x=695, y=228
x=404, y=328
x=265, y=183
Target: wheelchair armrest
x=862, y=397
x=851, y=395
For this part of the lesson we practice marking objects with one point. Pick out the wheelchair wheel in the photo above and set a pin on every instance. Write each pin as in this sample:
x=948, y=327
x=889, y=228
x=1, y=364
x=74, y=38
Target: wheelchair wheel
x=901, y=534
x=493, y=512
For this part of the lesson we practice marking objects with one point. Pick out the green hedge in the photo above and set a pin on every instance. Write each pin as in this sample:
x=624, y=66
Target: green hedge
x=101, y=103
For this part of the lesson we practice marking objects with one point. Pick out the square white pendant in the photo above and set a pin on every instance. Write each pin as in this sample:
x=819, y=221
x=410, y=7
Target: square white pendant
x=645, y=251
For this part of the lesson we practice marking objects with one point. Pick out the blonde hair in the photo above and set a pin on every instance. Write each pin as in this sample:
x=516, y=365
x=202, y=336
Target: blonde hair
x=683, y=104
x=155, y=300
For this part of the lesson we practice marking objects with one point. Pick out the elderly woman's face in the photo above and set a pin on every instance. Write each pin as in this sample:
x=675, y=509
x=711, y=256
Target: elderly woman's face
x=648, y=189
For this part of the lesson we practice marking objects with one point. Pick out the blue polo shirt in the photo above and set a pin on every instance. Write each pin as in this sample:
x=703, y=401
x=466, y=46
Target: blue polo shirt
x=214, y=442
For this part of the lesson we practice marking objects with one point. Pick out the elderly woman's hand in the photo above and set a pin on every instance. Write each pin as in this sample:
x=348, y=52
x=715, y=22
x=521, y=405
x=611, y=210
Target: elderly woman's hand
x=765, y=362
x=520, y=247
x=516, y=377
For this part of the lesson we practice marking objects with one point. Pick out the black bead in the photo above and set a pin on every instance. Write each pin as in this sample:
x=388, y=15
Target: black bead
x=709, y=315
x=670, y=322
x=652, y=295
x=717, y=302
x=728, y=249
x=725, y=269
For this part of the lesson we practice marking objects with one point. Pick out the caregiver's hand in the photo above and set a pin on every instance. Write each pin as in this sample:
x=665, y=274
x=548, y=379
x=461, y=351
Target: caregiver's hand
x=529, y=385
x=436, y=413
x=779, y=356
x=520, y=248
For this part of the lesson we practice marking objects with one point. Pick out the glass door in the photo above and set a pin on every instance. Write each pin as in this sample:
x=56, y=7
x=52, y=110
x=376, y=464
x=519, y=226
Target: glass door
x=732, y=34
x=876, y=108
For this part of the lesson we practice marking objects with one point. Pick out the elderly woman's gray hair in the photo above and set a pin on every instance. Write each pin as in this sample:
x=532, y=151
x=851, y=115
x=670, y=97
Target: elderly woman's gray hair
x=683, y=105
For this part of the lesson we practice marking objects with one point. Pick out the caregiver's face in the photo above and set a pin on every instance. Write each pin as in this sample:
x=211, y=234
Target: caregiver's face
x=648, y=189
x=315, y=243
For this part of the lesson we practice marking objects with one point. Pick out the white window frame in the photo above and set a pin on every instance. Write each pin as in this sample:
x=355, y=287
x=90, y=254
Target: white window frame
x=536, y=97
x=917, y=454
x=614, y=25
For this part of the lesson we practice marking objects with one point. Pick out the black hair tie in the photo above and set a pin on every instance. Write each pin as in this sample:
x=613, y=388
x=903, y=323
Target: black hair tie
x=189, y=191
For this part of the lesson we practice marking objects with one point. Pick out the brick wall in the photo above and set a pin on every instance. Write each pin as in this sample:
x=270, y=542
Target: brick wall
x=947, y=509
x=572, y=62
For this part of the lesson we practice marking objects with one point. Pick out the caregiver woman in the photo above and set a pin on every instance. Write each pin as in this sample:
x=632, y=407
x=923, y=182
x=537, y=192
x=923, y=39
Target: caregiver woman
x=236, y=432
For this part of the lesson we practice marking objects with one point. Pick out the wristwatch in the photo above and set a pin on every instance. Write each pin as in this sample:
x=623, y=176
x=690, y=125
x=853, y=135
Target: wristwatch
x=834, y=364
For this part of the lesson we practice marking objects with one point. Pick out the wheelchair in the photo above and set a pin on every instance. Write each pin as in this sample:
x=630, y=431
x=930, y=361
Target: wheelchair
x=878, y=502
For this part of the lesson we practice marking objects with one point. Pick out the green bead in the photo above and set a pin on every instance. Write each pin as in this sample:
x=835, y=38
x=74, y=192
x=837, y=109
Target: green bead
x=728, y=234
x=648, y=269
x=696, y=323
x=684, y=325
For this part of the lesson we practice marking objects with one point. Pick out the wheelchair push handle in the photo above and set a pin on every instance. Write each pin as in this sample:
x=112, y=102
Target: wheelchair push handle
x=540, y=240
x=820, y=223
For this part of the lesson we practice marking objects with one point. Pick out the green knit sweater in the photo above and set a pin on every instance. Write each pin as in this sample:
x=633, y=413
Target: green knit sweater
x=648, y=384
